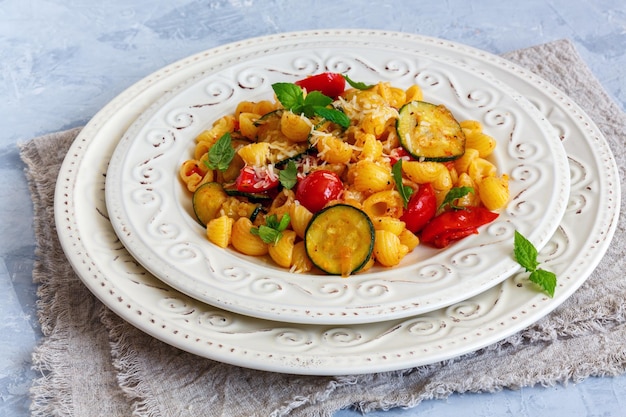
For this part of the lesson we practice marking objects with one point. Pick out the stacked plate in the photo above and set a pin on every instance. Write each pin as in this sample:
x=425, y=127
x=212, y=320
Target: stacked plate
x=127, y=227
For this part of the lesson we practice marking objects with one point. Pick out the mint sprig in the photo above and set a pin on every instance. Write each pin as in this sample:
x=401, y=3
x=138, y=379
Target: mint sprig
x=454, y=194
x=221, y=153
x=288, y=177
x=526, y=255
x=333, y=115
x=404, y=190
x=271, y=231
x=292, y=98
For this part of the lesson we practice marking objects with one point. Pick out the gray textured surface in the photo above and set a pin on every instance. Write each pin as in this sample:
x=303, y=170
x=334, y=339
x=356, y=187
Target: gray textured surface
x=61, y=61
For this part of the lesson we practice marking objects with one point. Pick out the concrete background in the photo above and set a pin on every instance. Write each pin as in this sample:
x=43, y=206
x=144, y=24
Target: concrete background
x=62, y=60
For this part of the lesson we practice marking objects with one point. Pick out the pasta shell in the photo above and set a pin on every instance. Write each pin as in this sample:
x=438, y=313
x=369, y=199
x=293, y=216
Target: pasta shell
x=388, y=249
x=494, y=192
x=244, y=241
x=282, y=251
x=219, y=230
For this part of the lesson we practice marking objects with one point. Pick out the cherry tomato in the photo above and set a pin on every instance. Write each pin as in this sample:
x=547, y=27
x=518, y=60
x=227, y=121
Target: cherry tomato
x=453, y=225
x=330, y=84
x=421, y=207
x=251, y=180
x=317, y=189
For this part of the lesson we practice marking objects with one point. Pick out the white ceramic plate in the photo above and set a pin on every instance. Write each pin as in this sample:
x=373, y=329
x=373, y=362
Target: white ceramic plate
x=152, y=215
x=112, y=274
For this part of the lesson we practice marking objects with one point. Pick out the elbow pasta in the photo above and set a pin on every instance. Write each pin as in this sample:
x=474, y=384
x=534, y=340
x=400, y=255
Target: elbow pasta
x=265, y=136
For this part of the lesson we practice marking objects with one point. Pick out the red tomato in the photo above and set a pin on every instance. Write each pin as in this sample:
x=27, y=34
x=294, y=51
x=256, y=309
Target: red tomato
x=421, y=207
x=195, y=170
x=251, y=180
x=399, y=153
x=454, y=225
x=330, y=84
x=317, y=189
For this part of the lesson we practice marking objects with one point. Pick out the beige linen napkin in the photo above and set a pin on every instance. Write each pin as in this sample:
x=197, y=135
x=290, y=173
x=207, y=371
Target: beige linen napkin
x=96, y=364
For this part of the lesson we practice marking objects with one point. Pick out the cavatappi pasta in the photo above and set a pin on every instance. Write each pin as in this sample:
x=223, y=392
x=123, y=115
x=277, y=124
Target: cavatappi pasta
x=265, y=136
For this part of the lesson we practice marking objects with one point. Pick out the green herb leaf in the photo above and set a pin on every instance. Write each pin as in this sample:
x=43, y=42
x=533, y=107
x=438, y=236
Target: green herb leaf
x=526, y=255
x=289, y=176
x=357, y=85
x=525, y=252
x=272, y=221
x=454, y=194
x=284, y=223
x=315, y=99
x=333, y=115
x=267, y=234
x=271, y=231
x=221, y=153
x=545, y=279
x=290, y=96
x=404, y=190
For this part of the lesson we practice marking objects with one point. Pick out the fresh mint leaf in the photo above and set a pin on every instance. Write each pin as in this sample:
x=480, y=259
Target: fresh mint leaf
x=315, y=99
x=545, y=279
x=454, y=194
x=333, y=115
x=290, y=96
x=405, y=191
x=289, y=176
x=271, y=231
x=525, y=252
x=221, y=153
x=356, y=84
x=526, y=255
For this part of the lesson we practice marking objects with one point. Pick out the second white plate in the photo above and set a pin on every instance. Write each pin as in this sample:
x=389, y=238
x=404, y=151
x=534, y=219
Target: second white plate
x=113, y=275
x=152, y=214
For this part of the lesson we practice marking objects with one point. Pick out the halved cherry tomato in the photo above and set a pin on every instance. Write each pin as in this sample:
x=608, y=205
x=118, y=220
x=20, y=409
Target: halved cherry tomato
x=256, y=180
x=421, y=207
x=318, y=188
x=330, y=84
x=454, y=225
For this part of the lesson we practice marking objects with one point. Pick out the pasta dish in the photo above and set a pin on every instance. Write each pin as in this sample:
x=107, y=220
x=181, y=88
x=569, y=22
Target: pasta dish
x=337, y=176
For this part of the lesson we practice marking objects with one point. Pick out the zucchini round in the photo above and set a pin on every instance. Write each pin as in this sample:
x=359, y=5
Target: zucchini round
x=261, y=197
x=274, y=114
x=207, y=201
x=339, y=239
x=429, y=132
x=255, y=213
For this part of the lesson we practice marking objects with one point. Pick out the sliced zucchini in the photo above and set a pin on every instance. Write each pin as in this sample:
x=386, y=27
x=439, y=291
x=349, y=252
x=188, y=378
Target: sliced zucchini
x=429, y=132
x=262, y=197
x=282, y=150
x=258, y=210
x=339, y=239
x=268, y=117
x=207, y=201
x=232, y=172
x=297, y=159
